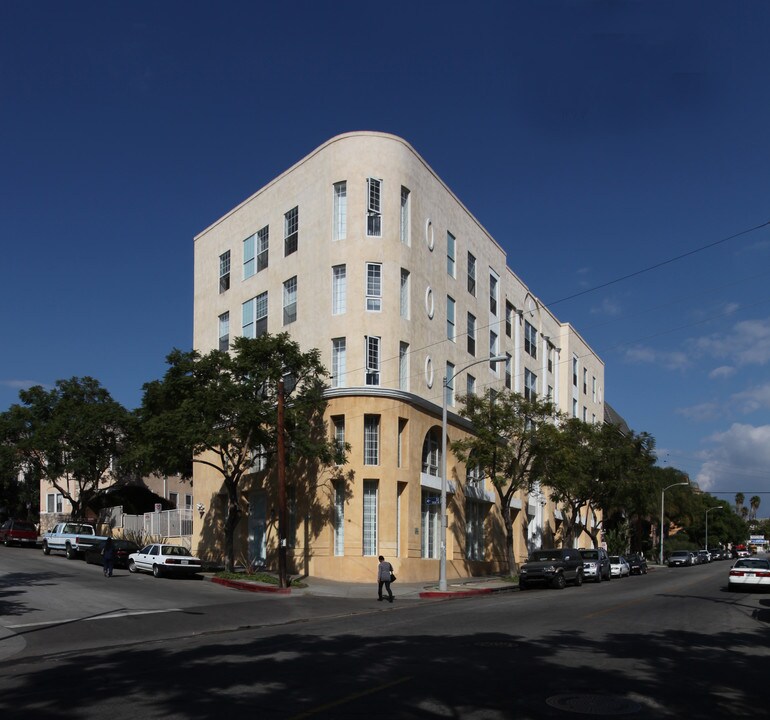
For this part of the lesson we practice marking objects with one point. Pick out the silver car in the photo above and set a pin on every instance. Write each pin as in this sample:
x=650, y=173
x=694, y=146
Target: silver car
x=596, y=564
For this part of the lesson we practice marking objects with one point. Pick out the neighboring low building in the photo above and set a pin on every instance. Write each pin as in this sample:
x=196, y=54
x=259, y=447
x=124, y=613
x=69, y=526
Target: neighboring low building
x=360, y=250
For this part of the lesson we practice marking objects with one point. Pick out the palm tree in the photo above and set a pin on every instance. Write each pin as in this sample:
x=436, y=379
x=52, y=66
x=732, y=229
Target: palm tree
x=754, y=502
x=739, y=498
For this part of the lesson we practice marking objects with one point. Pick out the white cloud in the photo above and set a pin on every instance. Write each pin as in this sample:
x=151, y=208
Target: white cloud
x=20, y=384
x=701, y=412
x=737, y=460
x=607, y=307
x=747, y=343
x=753, y=399
x=722, y=373
x=671, y=360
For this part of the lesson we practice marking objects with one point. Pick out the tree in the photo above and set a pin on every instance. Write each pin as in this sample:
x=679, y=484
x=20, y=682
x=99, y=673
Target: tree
x=754, y=504
x=507, y=428
x=739, y=500
x=72, y=436
x=220, y=410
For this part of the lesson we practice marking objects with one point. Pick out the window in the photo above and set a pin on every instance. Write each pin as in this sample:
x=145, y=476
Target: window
x=370, y=518
x=450, y=318
x=450, y=254
x=471, y=274
x=255, y=316
x=530, y=340
x=471, y=334
x=405, y=216
x=574, y=408
x=470, y=385
x=224, y=272
x=339, y=518
x=431, y=452
x=474, y=529
x=403, y=366
x=263, y=245
x=549, y=396
x=372, y=355
x=585, y=413
x=54, y=502
x=173, y=498
x=404, y=297
x=508, y=319
x=249, y=264
x=530, y=385
x=593, y=389
x=340, y=229
x=373, y=287
x=431, y=516
x=188, y=501
x=574, y=371
x=550, y=359
x=371, y=439
x=585, y=381
x=338, y=362
x=291, y=231
x=338, y=421
x=493, y=349
x=508, y=377
x=374, y=207
x=400, y=447
x=339, y=289
x=473, y=472
x=224, y=331
x=449, y=388
x=290, y=301
x=493, y=294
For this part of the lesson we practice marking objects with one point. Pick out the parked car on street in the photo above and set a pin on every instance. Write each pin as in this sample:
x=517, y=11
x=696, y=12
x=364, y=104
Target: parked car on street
x=596, y=564
x=552, y=567
x=749, y=573
x=705, y=556
x=19, y=532
x=680, y=558
x=637, y=564
x=121, y=549
x=619, y=566
x=163, y=560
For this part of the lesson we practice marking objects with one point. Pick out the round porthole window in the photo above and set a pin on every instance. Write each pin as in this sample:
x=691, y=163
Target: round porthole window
x=429, y=302
x=429, y=372
x=429, y=234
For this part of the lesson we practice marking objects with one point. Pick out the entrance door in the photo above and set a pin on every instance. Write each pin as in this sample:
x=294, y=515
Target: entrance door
x=257, y=527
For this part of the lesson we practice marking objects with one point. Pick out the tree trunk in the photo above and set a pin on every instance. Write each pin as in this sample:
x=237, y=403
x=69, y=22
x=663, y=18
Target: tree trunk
x=231, y=522
x=508, y=523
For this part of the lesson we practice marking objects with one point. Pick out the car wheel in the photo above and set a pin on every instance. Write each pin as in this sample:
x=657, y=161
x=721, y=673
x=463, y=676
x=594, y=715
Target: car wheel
x=559, y=582
x=156, y=571
x=131, y=566
x=46, y=549
x=69, y=552
x=578, y=579
x=599, y=577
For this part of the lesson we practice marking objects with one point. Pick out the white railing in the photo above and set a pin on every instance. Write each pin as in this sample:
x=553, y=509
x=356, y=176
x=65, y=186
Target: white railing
x=167, y=523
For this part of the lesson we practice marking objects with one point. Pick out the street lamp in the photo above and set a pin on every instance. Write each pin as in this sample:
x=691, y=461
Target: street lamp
x=662, y=498
x=445, y=385
x=716, y=507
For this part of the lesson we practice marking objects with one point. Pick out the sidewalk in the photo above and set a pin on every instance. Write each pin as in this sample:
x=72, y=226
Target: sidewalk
x=458, y=588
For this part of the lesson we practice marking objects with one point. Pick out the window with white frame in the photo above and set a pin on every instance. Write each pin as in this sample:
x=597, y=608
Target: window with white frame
x=471, y=334
x=372, y=356
x=471, y=274
x=249, y=261
x=449, y=388
x=339, y=518
x=450, y=254
x=403, y=366
x=430, y=522
x=574, y=371
x=530, y=340
x=402, y=422
x=339, y=289
x=339, y=352
x=475, y=512
x=290, y=301
x=224, y=331
x=508, y=373
x=374, y=287
x=493, y=349
x=291, y=231
x=593, y=388
x=530, y=385
x=473, y=472
x=550, y=358
x=254, y=314
x=431, y=452
x=54, y=503
x=188, y=501
x=405, y=239
x=585, y=381
x=338, y=422
x=450, y=318
x=374, y=207
x=173, y=498
x=224, y=271
x=508, y=319
x=263, y=247
x=340, y=229
x=369, y=524
x=470, y=384
x=574, y=408
x=403, y=303
x=493, y=293
x=371, y=439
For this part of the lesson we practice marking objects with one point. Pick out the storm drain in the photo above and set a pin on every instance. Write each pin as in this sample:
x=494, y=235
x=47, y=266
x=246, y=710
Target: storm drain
x=594, y=704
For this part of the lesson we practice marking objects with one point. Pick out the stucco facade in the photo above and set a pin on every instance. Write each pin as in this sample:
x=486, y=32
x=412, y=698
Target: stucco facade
x=360, y=250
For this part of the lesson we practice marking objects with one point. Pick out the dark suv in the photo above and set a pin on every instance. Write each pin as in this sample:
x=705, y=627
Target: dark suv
x=596, y=564
x=552, y=567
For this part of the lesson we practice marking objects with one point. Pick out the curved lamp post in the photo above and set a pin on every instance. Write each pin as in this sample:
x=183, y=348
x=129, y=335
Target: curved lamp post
x=716, y=507
x=445, y=385
x=662, y=499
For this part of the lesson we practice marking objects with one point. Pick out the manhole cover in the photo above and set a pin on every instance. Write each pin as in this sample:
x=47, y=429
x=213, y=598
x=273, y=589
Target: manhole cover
x=594, y=704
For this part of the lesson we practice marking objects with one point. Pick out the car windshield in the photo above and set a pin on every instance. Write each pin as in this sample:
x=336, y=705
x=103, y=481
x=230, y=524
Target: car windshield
x=680, y=553
x=614, y=559
x=544, y=556
x=23, y=526
x=589, y=554
x=175, y=550
x=759, y=564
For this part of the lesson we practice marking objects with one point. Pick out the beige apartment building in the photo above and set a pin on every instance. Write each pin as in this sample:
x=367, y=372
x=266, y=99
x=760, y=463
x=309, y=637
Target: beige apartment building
x=360, y=250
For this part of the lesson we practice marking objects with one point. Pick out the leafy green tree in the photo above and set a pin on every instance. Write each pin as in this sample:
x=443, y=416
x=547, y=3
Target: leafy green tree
x=72, y=436
x=505, y=445
x=220, y=410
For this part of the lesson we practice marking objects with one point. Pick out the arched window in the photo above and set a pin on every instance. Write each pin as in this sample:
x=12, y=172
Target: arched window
x=431, y=453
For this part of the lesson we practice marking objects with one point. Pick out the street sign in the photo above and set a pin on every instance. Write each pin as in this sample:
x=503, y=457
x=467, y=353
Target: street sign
x=430, y=500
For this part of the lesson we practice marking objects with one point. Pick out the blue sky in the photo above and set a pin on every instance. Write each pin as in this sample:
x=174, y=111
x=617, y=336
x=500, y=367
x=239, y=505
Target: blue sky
x=591, y=139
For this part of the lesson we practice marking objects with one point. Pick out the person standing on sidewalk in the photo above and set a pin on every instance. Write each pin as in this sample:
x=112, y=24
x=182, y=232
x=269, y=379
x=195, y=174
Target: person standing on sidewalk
x=108, y=556
x=384, y=577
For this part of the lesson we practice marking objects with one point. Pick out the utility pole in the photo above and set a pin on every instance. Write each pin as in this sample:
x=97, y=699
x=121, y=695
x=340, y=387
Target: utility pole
x=282, y=582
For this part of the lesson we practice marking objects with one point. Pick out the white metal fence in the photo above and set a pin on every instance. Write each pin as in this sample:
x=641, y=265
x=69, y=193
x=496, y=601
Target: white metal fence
x=166, y=523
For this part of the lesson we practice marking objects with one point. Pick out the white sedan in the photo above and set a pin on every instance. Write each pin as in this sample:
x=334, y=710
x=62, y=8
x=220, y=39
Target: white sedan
x=750, y=572
x=164, y=560
x=619, y=566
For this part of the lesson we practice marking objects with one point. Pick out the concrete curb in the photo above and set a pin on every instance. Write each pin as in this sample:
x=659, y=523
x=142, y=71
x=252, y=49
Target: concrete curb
x=458, y=594
x=251, y=586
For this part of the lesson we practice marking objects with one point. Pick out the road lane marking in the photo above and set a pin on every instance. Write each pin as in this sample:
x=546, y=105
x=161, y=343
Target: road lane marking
x=342, y=701
x=110, y=616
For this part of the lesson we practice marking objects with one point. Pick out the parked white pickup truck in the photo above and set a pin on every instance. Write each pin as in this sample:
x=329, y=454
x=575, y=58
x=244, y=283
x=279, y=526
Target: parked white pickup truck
x=72, y=538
